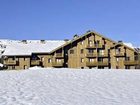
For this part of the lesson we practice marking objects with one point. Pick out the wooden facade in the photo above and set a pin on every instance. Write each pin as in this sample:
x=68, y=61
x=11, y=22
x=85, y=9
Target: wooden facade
x=91, y=50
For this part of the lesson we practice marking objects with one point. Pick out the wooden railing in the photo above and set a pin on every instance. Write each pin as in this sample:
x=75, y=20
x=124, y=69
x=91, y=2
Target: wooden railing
x=11, y=62
x=59, y=55
x=95, y=63
x=131, y=62
x=94, y=46
x=35, y=62
x=57, y=64
x=91, y=55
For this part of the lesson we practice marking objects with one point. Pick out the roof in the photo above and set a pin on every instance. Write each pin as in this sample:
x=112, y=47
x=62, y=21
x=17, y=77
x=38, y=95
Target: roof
x=18, y=49
x=127, y=45
x=91, y=32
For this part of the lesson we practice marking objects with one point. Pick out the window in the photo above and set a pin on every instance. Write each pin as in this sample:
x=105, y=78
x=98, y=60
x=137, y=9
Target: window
x=13, y=67
x=127, y=67
x=97, y=43
x=82, y=60
x=82, y=51
x=117, y=59
x=82, y=42
x=91, y=60
x=127, y=58
x=71, y=51
x=49, y=60
x=13, y=58
x=91, y=51
x=58, y=60
x=100, y=59
x=42, y=58
x=90, y=42
x=101, y=52
x=136, y=58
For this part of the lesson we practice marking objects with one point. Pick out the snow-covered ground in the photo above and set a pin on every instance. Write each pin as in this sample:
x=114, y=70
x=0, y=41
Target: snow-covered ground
x=70, y=87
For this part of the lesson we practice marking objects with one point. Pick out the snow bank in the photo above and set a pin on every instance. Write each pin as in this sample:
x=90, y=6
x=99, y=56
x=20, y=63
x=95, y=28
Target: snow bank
x=70, y=87
x=1, y=65
x=35, y=68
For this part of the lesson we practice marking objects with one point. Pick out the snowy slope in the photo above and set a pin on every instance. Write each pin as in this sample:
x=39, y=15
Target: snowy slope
x=70, y=87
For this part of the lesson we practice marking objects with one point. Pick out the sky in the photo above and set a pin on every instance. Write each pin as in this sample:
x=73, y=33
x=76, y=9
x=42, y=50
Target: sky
x=61, y=19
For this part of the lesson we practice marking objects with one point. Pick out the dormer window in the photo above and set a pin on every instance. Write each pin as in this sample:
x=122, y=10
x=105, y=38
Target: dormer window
x=127, y=58
x=97, y=43
x=71, y=51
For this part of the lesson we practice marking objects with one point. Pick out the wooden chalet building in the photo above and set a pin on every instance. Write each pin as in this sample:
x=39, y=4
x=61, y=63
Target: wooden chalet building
x=90, y=50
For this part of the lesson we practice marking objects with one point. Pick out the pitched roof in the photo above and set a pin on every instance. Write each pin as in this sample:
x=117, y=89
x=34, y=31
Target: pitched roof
x=91, y=32
x=18, y=49
x=125, y=45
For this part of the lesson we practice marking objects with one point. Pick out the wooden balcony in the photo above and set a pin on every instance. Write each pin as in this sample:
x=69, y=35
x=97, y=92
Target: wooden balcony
x=59, y=55
x=91, y=64
x=120, y=54
x=57, y=64
x=91, y=55
x=104, y=63
x=94, y=64
x=11, y=62
x=103, y=55
x=131, y=62
x=94, y=46
x=35, y=62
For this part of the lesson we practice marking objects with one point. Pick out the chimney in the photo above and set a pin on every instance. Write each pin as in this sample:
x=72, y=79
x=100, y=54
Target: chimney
x=42, y=41
x=24, y=41
x=75, y=36
x=66, y=40
x=88, y=31
x=120, y=41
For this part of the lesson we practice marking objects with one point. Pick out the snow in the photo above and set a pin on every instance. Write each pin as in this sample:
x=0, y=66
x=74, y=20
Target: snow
x=1, y=65
x=129, y=45
x=70, y=87
x=31, y=47
x=35, y=68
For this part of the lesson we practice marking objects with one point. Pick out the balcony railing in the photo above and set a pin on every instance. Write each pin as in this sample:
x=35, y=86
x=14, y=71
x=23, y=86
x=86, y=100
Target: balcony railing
x=57, y=64
x=104, y=63
x=11, y=62
x=94, y=46
x=131, y=62
x=94, y=64
x=91, y=55
x=102, y=54
x=35, y=62
x=59, y=55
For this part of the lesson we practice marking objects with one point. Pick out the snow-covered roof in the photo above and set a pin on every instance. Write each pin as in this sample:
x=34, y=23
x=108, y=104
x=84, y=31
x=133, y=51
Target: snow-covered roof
x=31, y=47
x=129, y=45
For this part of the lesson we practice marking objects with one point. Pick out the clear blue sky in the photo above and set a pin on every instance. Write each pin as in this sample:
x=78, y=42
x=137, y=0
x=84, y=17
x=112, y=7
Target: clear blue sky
x=61, y=19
